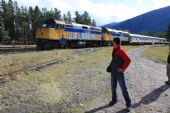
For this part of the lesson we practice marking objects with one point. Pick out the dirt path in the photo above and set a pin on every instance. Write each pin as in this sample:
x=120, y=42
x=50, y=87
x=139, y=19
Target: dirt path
x=145, y=80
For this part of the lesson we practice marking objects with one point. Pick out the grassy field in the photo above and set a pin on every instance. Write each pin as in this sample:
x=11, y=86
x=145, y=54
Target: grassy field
x=157, y=53
x=58, y=86
x=12, y=62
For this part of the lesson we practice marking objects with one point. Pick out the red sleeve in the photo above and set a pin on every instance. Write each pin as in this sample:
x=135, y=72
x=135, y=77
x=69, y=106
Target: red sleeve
x=126, y=59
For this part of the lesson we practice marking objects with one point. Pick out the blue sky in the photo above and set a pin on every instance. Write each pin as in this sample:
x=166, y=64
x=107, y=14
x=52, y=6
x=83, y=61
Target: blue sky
x=103, y=11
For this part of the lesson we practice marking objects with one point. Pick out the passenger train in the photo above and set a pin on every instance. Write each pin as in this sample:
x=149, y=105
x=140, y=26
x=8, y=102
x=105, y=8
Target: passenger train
x=57, y=34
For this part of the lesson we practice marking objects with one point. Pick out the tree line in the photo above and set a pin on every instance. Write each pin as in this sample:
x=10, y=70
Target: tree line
x=154, y=34
x=19, y=24
x=159, y=34
x=168, y=34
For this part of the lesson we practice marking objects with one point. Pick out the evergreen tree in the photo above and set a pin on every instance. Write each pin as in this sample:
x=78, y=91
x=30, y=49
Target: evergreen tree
x=16, y=21
x=57, y=14
x=1, y=13
x=4, y=34
x=37, y=16
x=168, y=33
x=11, y=19
x=37, y=20
x=65, y=18
x=78, y=18
x=86, y=19
x=93, y=23
x=44, y=13
x=31, y=19
x=20, y=23
x=4, y=9
x=7, y=17
x=69, y=16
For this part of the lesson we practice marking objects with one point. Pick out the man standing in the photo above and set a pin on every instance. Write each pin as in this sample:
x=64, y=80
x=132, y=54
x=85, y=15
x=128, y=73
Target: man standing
x=120, y=62
x=168, y=69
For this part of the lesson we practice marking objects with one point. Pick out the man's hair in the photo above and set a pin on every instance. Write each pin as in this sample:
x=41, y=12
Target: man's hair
x=117, y=41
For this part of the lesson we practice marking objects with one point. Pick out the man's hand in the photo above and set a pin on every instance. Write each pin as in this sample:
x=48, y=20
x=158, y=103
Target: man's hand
x=120, y=70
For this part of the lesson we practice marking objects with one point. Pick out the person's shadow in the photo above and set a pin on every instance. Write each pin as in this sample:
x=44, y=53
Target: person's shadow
x=98, y=109
x=149, y=98
x=152, y=96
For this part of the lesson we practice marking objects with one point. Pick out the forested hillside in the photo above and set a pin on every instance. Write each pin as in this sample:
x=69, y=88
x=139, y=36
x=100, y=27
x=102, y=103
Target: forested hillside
x=153, y=21
x=19, y=24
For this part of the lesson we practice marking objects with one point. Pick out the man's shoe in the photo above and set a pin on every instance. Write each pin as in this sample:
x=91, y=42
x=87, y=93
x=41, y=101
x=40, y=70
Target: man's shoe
x=167, y=83
x=112, y=103
x=128, y=108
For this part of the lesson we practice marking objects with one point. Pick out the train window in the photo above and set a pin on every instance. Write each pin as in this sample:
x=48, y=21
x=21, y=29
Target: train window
x=126, y=35
x=50, y=26
x=84, y=27
x=63, y=26
x=105, y=30
x=69, y=25
x=49, y=23
x=96, y=29
x=59, y=26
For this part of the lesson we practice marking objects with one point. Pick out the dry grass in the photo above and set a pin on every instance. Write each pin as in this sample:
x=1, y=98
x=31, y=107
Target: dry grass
x=158, y=53
x=30, y=91
x=130, y=47
x=11, y=62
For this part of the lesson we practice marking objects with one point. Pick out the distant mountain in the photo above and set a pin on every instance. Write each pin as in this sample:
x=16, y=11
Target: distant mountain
x=153, y=21
x=111, y=24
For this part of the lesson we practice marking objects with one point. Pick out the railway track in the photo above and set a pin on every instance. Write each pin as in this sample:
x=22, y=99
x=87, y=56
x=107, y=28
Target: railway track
x=9, y=50
x=49, y=63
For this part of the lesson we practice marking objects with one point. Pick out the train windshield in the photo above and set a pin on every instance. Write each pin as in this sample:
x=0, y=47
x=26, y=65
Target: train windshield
x=105, y=30
x=47, y=25
x=126, y=34
x=53, y=24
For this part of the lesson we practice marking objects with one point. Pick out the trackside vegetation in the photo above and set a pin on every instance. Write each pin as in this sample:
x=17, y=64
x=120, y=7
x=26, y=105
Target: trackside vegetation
x=157, y=53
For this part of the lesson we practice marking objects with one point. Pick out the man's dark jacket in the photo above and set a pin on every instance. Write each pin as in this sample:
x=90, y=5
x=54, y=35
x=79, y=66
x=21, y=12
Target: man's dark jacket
x=119, y=60
x=168, y=59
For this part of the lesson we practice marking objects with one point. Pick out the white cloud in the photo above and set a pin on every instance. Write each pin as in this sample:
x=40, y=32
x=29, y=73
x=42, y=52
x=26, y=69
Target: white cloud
x=141, y=1
x=103, y=13
x=29, y=2
x=160, y=3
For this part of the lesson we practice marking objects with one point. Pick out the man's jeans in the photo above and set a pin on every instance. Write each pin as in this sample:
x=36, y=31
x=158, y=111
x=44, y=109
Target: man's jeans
x=119, y=77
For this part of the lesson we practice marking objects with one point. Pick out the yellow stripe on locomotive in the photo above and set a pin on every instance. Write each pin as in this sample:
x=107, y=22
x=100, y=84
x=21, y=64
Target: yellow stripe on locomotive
x=50, y=33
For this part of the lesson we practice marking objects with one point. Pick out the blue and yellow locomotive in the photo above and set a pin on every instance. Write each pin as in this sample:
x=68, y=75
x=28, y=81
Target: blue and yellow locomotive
x=56, y=33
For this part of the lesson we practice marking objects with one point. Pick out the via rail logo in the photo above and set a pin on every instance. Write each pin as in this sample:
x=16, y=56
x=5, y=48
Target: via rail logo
x=75, y=35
